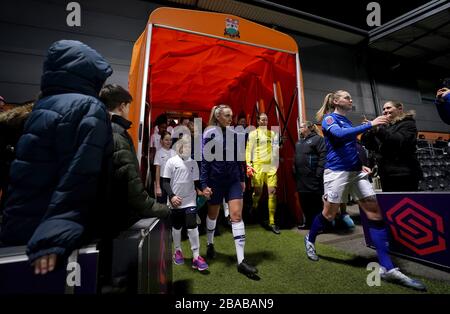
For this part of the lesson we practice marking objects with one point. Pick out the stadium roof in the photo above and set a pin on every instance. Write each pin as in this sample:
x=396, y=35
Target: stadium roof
x=415, y=29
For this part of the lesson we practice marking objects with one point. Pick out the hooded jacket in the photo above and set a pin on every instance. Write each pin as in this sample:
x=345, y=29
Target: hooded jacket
x=57, y=185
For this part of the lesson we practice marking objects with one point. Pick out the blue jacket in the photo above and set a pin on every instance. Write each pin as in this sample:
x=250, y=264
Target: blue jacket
x=67, y=141
x=216, y=168
x=443, y=108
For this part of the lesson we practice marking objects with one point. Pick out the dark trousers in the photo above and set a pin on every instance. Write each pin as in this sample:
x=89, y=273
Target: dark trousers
x=399, y=184
x=312, y=204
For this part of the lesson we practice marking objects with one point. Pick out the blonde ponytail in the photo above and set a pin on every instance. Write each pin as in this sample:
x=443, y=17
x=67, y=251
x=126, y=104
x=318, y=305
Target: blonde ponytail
x=215, y=112
x=212, y=117
x=328, y=104
x=326, y=107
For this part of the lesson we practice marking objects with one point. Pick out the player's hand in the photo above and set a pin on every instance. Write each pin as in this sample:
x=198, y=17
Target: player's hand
x=442, y=92
x=207, y=192
x=176, y=201
x=366, y=170
x=250, y=171
x=158, y=192
x=243, y=186
x=44, y=264
x=380, y=120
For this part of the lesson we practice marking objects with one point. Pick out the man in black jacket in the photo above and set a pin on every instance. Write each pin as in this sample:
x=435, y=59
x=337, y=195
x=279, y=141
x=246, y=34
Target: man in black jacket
x=129, y=196
x=57, y=184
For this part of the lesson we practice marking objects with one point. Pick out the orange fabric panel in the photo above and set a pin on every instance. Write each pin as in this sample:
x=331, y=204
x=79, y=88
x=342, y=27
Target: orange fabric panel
x=135, y=84
x=193, y=72
x=189, y=72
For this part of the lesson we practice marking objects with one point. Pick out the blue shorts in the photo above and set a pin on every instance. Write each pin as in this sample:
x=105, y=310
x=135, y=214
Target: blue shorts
x=220, y=191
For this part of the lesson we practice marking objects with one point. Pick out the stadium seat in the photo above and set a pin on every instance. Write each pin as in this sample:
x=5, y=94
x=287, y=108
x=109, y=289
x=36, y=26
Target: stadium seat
x=431, y=184
x=423, y=186
x=422, y=144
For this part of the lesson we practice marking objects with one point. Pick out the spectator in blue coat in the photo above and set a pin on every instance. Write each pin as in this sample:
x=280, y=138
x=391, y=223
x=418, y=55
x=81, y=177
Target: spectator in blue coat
x=58, y=179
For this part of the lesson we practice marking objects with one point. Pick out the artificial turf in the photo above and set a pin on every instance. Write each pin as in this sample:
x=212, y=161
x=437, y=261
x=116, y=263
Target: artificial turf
x=283, y=268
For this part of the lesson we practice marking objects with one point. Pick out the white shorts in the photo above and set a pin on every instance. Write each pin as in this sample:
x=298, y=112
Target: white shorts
x=339, y=184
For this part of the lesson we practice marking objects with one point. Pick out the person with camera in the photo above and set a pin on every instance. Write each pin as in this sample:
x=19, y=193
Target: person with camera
x=443, y=101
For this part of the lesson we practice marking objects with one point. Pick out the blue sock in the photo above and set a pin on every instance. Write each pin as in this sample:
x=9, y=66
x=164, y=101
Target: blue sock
x=379, y=235
x=317, y=226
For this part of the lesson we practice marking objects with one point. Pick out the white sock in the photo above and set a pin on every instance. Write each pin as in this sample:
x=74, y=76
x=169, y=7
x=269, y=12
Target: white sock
x=176, y=235
x=226, y=210
x=210, y=228
x=195, y=241
x=238, y=229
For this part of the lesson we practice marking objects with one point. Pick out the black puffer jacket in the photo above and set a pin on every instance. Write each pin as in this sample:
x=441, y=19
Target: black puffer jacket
x=129, y=197
x=394, y=147
x=310, y=158
x=56, y=187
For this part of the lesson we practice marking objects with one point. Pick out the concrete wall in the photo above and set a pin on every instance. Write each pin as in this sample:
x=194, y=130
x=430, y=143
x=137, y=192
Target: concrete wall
x=28, y=27
x=328, y=67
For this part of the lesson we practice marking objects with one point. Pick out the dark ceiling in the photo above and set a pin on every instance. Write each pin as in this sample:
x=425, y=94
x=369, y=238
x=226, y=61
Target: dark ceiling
x=417, y=31
x=350, y=12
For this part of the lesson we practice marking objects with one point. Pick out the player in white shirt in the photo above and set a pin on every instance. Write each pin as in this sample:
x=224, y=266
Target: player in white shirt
x=180, y=182
x=161, y=157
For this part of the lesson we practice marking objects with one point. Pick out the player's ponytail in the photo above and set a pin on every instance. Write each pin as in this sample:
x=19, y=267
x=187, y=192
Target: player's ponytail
x=328, y=104
x=215, y=113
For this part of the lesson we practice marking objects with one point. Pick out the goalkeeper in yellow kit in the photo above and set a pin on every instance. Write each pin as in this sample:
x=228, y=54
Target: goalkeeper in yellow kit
x=262, y=163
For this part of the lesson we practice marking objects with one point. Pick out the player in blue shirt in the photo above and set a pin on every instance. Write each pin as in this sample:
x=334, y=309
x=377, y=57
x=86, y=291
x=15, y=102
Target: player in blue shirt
x=344, y=174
